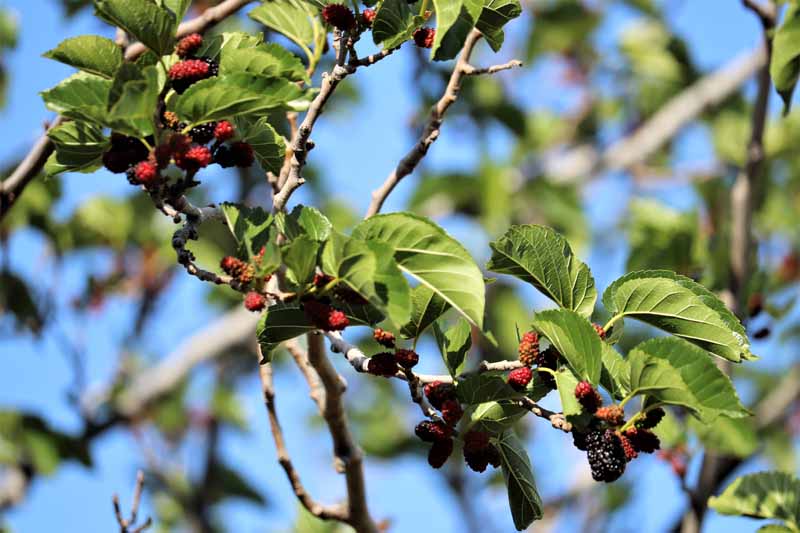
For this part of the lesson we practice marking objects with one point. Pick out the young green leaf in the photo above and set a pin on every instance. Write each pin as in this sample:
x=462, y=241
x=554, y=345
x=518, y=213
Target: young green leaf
x=454, y=344
x=784, y=67
x=394, y=23
x=90, y=53
x=426, y=307
x=154, y=26
x=681, y=307
x=429, y=255
x=79, y=146
x=271, y=60
x=523, y=497
x=566, y=383
x=279, y=323
x=495, y=15
x=575, y=339
x=673, y=371
x=304, y=220
x=131, y=100
x=454, y=20
x=248, y=225
x=289, y=17
x=300, y=257
x=770, y=495
x=484, y=387
x=543, y=258
x=268, y=145
x=616, y=373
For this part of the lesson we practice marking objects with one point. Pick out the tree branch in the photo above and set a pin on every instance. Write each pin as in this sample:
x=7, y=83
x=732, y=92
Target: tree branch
x=431, y=131
x=125, y=525
x=348, y=455
x=583, y=161
x=333, y=512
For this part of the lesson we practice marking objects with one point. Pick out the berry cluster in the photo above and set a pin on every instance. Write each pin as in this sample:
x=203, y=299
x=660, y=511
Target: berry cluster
x=125, y=152
x=254, y=301
x=325, y=317
x=608, y=448
x=187, y=46
x=240, y=270
x=187, y=72
x=479, y=452
x=423, y=37
x=386, y=363
x=442, y=396
x=520, y=377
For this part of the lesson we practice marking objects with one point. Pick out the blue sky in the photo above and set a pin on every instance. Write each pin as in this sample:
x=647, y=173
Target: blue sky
x=36, y=375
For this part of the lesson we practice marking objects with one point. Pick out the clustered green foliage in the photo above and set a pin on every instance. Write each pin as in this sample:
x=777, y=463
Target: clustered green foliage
x=401, y=272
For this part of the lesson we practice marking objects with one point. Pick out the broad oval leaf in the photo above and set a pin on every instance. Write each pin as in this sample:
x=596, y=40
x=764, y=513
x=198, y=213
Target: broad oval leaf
x=79, y=147
x=248, y=225
x=394, y=23
x=673, y=371
x=264, y=60
x=429, y=255
x=679, y=306
x=154, y=26
x=484, y=387
x=543, y=258
x=454, y=20
x=616, y=373
x=304, y=220
x=82, y=96
x=575, y=339
x=426, y=307
x=523, y=496
x=90, y=53
x=300, y=258
x=771, y=495
x=495, y=15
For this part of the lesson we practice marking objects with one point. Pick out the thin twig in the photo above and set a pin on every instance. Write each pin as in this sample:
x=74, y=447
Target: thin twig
x=324, y=512
x=125, y=525
x=431, y=131
x=349, y=456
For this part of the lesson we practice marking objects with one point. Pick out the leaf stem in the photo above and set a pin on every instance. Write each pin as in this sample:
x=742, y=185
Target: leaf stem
x=611, y=322
x=545, y=369
x=639, y=415
x=423, y=7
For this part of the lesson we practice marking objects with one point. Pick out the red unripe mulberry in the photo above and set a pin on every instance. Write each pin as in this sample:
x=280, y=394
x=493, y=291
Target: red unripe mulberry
x=520, y=377
x=185, y=73
x=423, y=37
x=643, y=440
x=337, y=320
x=339, y=16
x=529, y=348
x=254, y=301
x=600, y=331
x=195, y=158
x=146, y=172
x=452, y=412
x=613, y=415
x=588, y=397
x=223, y=131
x=368, y=17
x=188, y=45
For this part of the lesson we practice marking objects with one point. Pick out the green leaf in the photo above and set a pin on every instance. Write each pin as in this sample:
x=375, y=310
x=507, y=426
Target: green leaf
x=271, y=60
x=90, y=53
x=523, y=497
x=482, y=388
x=78, y=146
x=616, y=374
x=575, y=339
x=304, y=220
x=495, y=15
x=369, y=269
x=300, y=256
x=279, y=323
x=771, y=495
x=82, y=96
x=454, y=345
x=293, y=18
x=132, y=99
x=394, y=23
x=17, y=301
x=496, y=416
x=248, y=225
x=178, y=7
x=676, y=372
x=429, y=255
x=454, y=20
x=681, y=307
x=237, y=94
x=730, y=436
x=784, y=67
x=225, y=482
x=543, y=258
x=268, y=145
x=152, y=25
x=775, y=528
x=426, y=307
x=566, y=383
